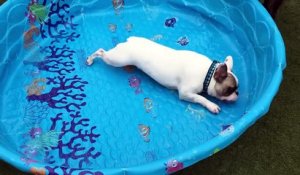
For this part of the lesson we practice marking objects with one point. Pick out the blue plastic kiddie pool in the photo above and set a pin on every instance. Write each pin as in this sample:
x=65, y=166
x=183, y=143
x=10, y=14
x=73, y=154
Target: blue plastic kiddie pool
x=59, y=116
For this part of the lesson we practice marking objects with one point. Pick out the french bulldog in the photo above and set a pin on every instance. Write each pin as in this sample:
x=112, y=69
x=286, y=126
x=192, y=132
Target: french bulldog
x=189, y=72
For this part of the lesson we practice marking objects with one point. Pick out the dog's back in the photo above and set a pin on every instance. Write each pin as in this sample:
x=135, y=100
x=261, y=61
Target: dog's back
x=168, y=66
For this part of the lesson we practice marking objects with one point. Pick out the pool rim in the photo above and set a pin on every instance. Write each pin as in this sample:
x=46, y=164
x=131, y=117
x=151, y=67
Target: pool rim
x=194, y=155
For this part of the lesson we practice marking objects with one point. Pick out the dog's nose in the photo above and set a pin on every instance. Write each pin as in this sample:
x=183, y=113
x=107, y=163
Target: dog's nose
x=237, y=92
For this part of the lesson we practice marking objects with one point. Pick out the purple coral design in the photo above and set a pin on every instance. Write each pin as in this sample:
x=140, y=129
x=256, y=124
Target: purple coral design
x=64, y=93
x=72, y=171
x=55, y=29
x=58, y=60
x=76, y=150
x=64, y=87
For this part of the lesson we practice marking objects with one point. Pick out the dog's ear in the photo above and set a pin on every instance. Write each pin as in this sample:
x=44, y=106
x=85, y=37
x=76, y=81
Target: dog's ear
x=221, y=72
x=229, y=62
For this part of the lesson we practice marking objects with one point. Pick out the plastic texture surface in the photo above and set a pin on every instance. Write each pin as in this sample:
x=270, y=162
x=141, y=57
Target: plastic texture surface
x=59, y=116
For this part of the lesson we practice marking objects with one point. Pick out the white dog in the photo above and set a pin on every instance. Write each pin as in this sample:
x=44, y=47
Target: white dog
x=187, y=71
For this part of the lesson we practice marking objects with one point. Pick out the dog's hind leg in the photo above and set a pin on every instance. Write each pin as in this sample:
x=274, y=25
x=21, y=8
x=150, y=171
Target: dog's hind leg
x=98, y=54
x=116, y=57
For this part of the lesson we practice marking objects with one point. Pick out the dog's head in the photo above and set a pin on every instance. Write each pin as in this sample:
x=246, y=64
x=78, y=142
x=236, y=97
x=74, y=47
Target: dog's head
x=226, y=86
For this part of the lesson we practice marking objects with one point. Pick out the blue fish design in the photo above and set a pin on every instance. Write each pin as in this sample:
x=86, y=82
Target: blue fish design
x=183, y=41
x=112, y=27
x=226, y=130
x=129, y=27
x=224, y=127
x=115, y=40
x=170, y=22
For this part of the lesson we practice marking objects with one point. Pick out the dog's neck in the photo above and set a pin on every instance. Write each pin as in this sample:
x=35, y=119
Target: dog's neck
x=209, y=77
x=211, y=88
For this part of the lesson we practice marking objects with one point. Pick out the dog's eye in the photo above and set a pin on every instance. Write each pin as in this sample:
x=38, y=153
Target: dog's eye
x=229, y=91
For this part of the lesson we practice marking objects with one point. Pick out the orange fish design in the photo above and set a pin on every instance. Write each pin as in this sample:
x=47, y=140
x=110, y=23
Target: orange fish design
x=37, y=171
x=118, y=4
x=28, y=36
x=35, y=88
x=145, y=132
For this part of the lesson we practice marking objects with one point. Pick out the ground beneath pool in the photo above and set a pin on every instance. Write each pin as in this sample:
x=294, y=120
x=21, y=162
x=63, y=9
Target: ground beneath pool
x=272, y=145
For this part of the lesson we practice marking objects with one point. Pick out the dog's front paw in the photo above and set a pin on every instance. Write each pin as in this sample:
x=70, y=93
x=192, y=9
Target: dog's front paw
x=213, y=108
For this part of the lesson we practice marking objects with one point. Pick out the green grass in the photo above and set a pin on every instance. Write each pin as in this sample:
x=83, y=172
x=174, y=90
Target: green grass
x=272, y=145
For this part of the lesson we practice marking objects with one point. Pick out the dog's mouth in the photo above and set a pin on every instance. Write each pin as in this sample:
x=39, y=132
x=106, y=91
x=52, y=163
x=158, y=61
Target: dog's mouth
x=231, y=98
x=228, y=101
